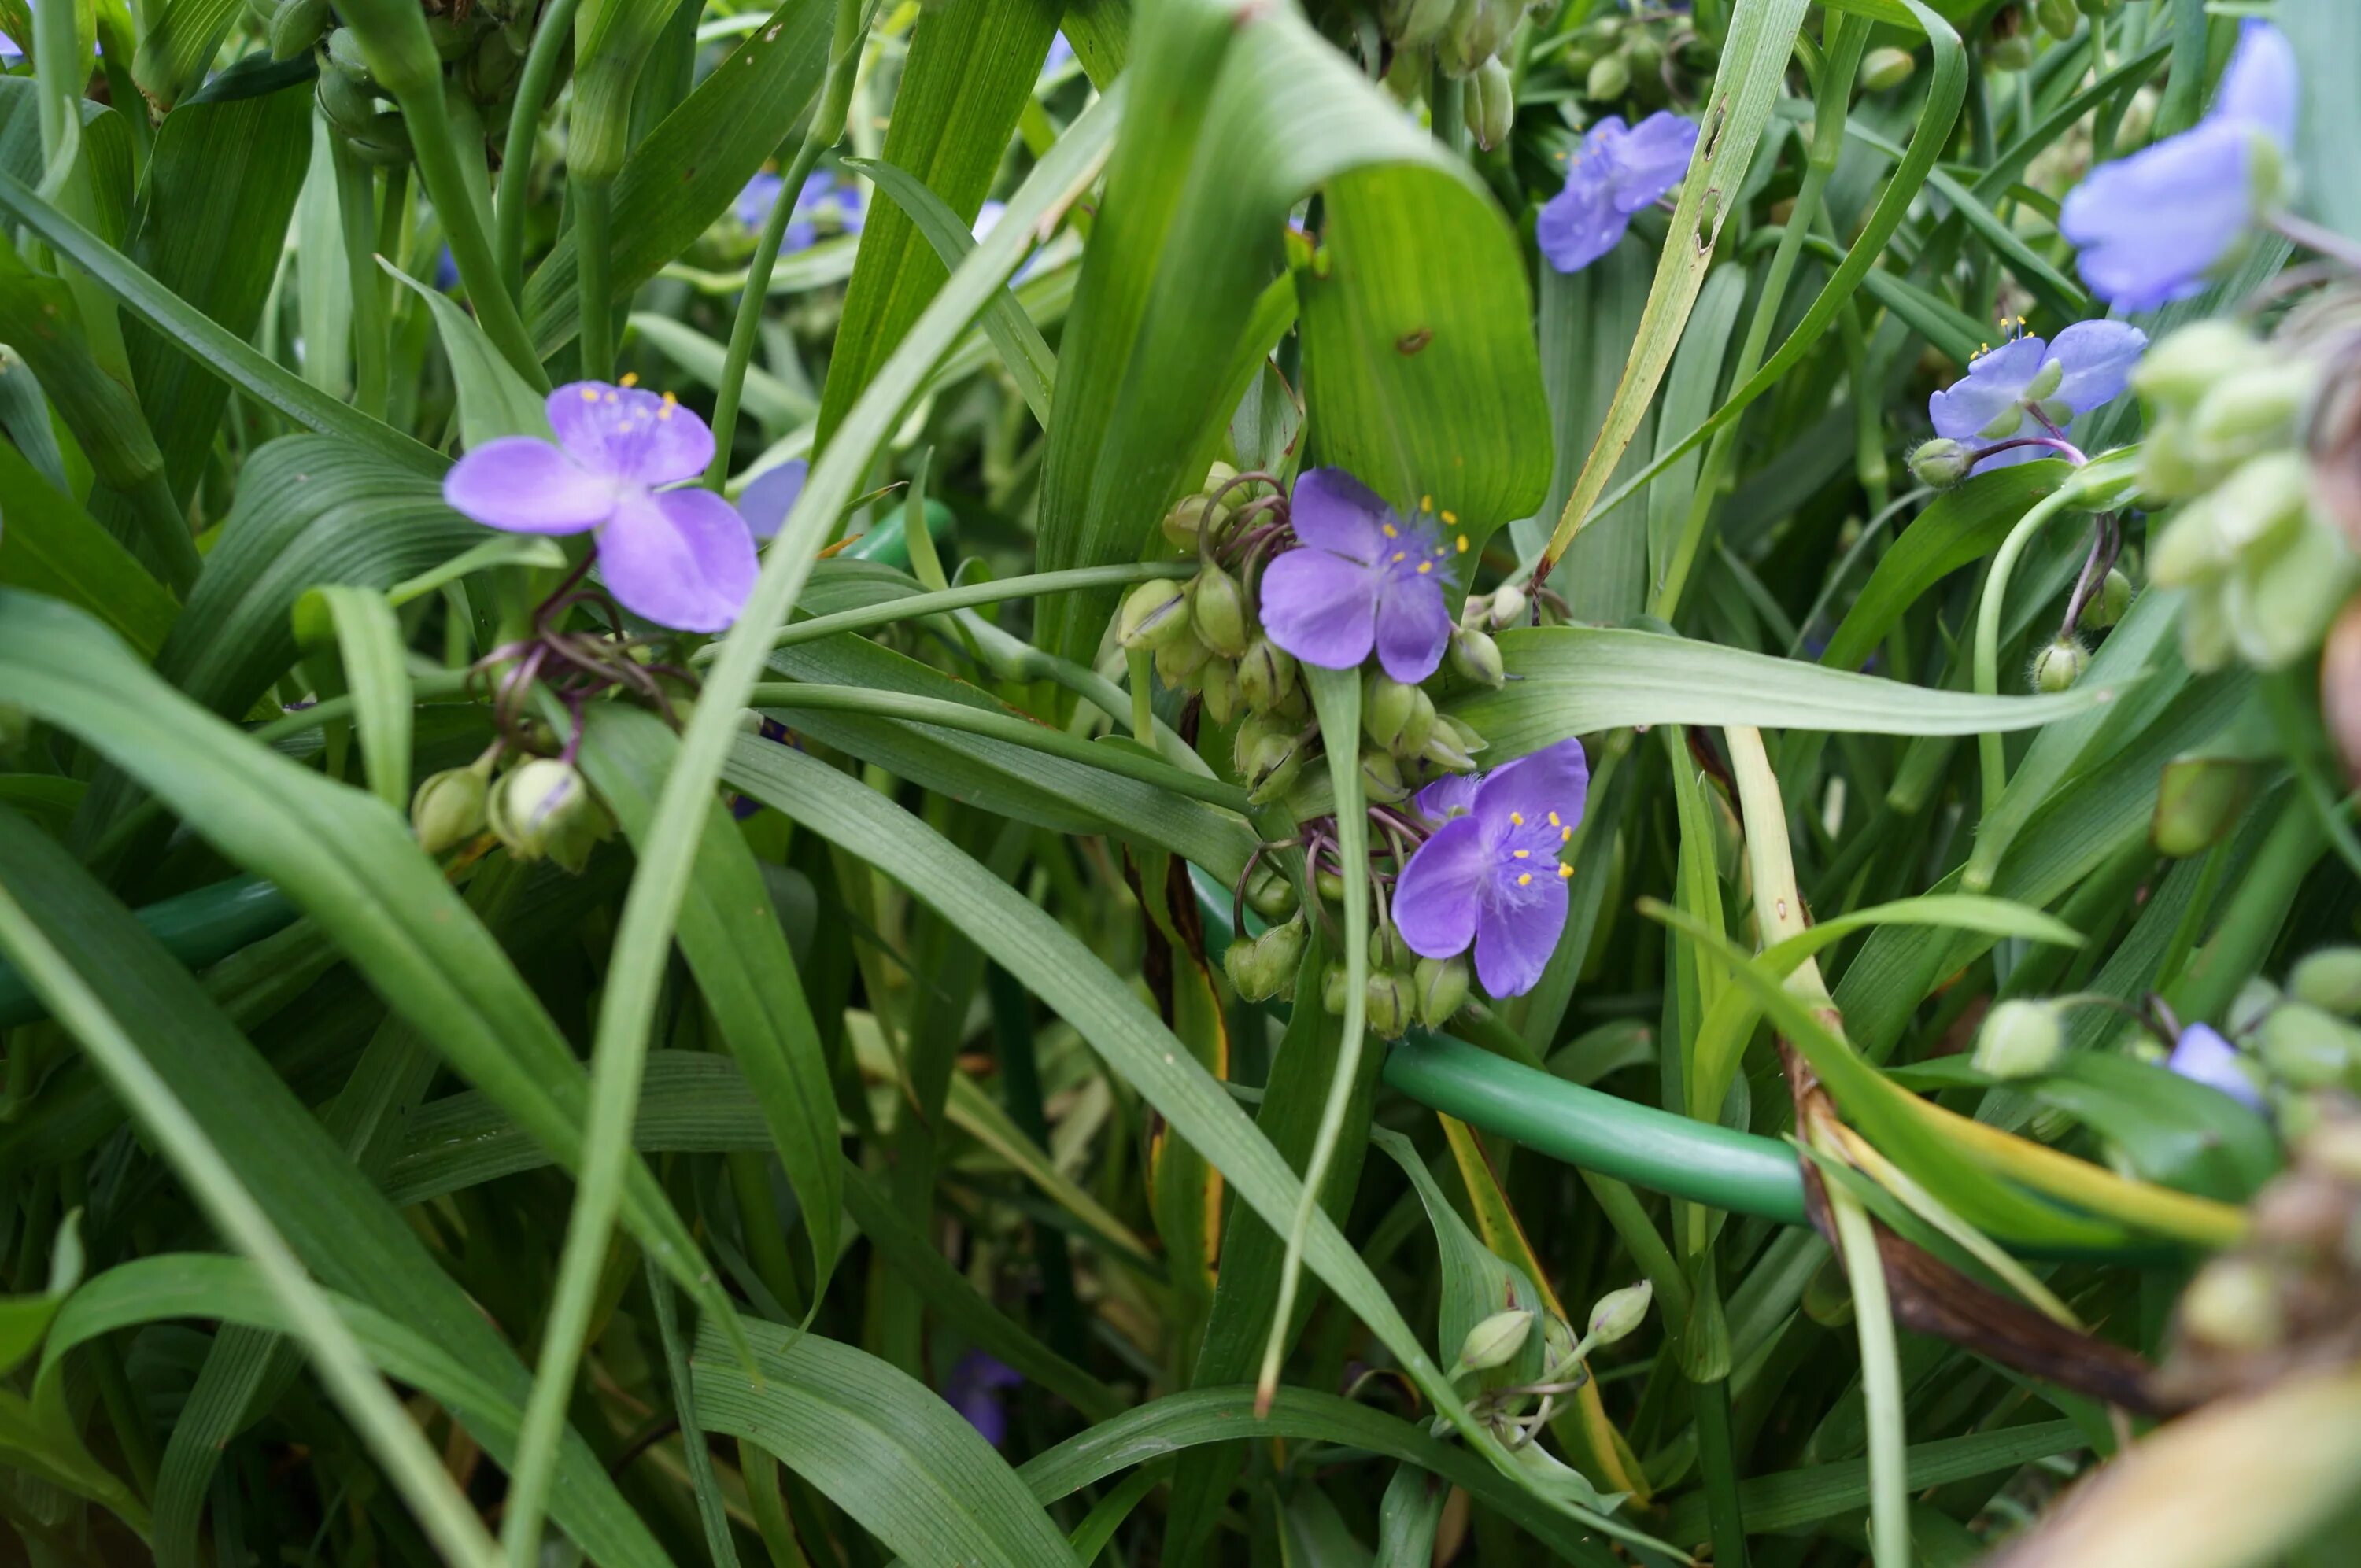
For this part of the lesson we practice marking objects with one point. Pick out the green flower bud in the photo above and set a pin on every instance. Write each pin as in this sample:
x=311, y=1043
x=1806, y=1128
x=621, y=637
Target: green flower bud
x=345, y=58
x=1188, y=520
x=295, y=27
x=1491, y=104
x=1219, y=683
x=1496, y=1340
x=2182, y=367
x=2059, y=665
x=1608, y=80
x=1179, y=659
x=492, y=69
x=2197, y=801
x=1617, y=1312
x=1559, y=1349
x=1644, y=56
x=1476, y=657
x=1152, y=615
x=1271, y=894
x=1448, y=747
x=447, y=808
x=1441, y=988
x=2168, y=469
x=1264, y=967
x=2306, y=1046
x=2057, y=17
x=542, y=807
x=1381, y=779
x=1333, y=981
x=1506, y=607
x=2020, y=1039
x=2251, y=410
x=452, y=37
x=1884, y=69
x=2106, y=607
x=1387, y=707
x=2013, y=53
x=2329, y=978
x=1219, y=610
x=1329, y=885
x=1387, y=1003
x=2234, y=1304
x=1941, y=462
x=1267, y=675
x=1273, y=766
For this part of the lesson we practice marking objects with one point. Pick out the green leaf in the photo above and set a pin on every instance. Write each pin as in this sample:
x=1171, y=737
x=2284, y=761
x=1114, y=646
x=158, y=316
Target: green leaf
x=50, y=545
x=375, y=658
x=2329, y=124
x=739, y=953
x=1235, y=118
x=774, y=405
x=1795, y=1498
x=494, y=400
x=1578, y=680
x=106, y=147
x=970, y=71
x=24, y=1318
x=880, y=1446
x=178, y=41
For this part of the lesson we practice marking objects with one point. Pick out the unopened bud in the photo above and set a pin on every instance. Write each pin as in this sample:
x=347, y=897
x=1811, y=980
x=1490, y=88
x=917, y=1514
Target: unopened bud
x=2057, y=17
x=1617, y=1312
x=2013, y=53
x=1153, y=614
x=1219, y=610
x=2252, y=409
x=1884, y=69
x=1449, y=747
x=448, y=807
x=542, y=807
x=1178, y=659
x=1509, y=607
x=1441, y=985
x=2059, y=665
x=1387, y=709
x=1262, y=967
x=1476, y=657
x=2306, y=1046
x=1389, y=1003
x=1333, y=981
x=1271, y=894
x=1941, y=463
x=1267, y=675
x=1496, y=1340
x=1609, y=79
x=1191, y=515
x=2329, y=978
x=2109, y=604
x=1273, y=766
x=2197, y=801
x=1218, y=680
x=2234, y=1304
x=1381, y=779
x=2020, y=1039
x=2183, y=365
x=1490, y=104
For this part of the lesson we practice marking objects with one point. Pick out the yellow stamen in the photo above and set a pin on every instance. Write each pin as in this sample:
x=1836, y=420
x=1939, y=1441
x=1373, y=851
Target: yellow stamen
x=1520, y=854
x=1463, y=544
x=1425, y=566
x=1564, y=870
x=1426, y=503
x=630, y=377
x=1517, y=818
x=1566, y=835
x=1399, y=554
x=1451, y=519
x=589, y=394
x=1525, y=880
x=1553, y=822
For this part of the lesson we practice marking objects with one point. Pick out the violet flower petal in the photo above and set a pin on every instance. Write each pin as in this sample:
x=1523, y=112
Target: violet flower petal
x=681, y=559
x=1437, y=900
x=2148, y=227
x=523, y=485
x=1449, y=796
x=1321, y=607
x=2202, y=1056
x=625, y=433
x=1413, y=628
x=1650, y=159
x=1332, y=511
x=770, y=494
x=2098, y=356
x=1550, y=787
x=1515, y=940
x=1580, y=223
x=2260, y=87
x=1996, y=383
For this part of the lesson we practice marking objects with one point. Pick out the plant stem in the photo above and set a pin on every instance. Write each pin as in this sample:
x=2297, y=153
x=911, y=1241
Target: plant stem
x=445, y=180
x=356, y=206
x=966, y=596
x=166, y=529
x=1989, y=748
x=1881, y=1379
x=550, y=37
x=595, y=341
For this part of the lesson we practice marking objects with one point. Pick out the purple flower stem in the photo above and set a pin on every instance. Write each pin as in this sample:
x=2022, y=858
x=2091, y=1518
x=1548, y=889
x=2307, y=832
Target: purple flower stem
x=2055, y=443
x=2312, y=236
x=2106, y=542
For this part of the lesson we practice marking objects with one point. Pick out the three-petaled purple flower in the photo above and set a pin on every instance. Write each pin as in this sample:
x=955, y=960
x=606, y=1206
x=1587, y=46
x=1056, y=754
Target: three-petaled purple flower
x=1614, y=174
x=681, y=558
x=2203, y=1054
x=823, y=196
x=2026, y=389
x=973, y=1389
x=2152, y=227
x=1361, y=575
x=1490, y=875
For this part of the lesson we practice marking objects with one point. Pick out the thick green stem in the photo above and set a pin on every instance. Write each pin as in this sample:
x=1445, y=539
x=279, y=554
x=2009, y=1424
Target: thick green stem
x=549, y=40
x=356, y=207
x=827, y=127
x=441, y=172
x=1989, y=746
x=597, y=343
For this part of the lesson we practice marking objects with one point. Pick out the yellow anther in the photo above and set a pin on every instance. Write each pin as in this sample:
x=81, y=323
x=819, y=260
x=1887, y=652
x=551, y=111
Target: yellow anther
x=1566, y=835
x=1426, y=503
x=1520, y=854
x=1451, y=519
x=1399, y=554
x=630, y=377
x=1517, y=818
x=1425, y=566
x=1525, y=880
x=1463, y=544
x=1564, y=870
x=589, y=394
x=1553, y=822
x=1391, y=530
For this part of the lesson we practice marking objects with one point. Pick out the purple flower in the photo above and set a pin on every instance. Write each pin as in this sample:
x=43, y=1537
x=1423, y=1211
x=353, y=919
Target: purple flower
x=681, y=558
x=973, y=1389
x=1614, y=174
x=446, y=271
x=1360, y=577
x=987, y=218
x=2203, y=1054
x=2151, y=226
x=823, y=196
x=770, y=494
x=1491, y=873
x=1999, y=396
x=1060, y=53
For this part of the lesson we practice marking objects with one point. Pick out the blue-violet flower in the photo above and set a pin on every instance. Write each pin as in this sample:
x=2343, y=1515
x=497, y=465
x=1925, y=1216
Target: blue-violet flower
x=2151, y=227
x=2203, y=1054
x=823, y=196
x=1613, y=174
x=1490, y=875
x=973, y=1389
x=1359, y=577
x=681, y=558
x=2009, y=392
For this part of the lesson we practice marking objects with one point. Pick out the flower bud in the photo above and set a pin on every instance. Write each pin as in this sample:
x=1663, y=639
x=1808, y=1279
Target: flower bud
x=1941, y=463
x=1441, y=989
x=1333, y=981
x=1617, y=1312
x=448, y=807
x=2251, y=410
x=1263, y=967
x=295, y=26
x=1476, y=657
x=2330, y=979
x=2057, y=17
x=1491, y=104
x=1508, y=605
x=1381, y=779
x=1884, y=69
x=1388, y=1004
x=2108, y=606
x=1273, y=766
x=1271, y=894
x=1267, y=675
x=1559, y=1349
x=1219, y=612
x=2182, y=367
x=2306, y=1046
x=2020, y=1039
x=2232, y=1304
x=2012, y=53
x=2197, y=801
x=1219, y=683
x=1153, y=614
x=1179, y=659
x=1609, y=79
x=1387, y=709
x=1191, y=515
x=2059, y=665
x=1447, y=747
x=542, y=807
x=1496, y=1340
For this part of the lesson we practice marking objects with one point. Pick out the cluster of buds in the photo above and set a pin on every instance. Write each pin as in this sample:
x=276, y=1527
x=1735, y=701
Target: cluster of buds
x=2008, y=42
x=2298, y=1045
x=540, y=807
x=1522, y=1377
x=1460, y=36
x=1639, y=63
x=482, y=47
x=2259, y=552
